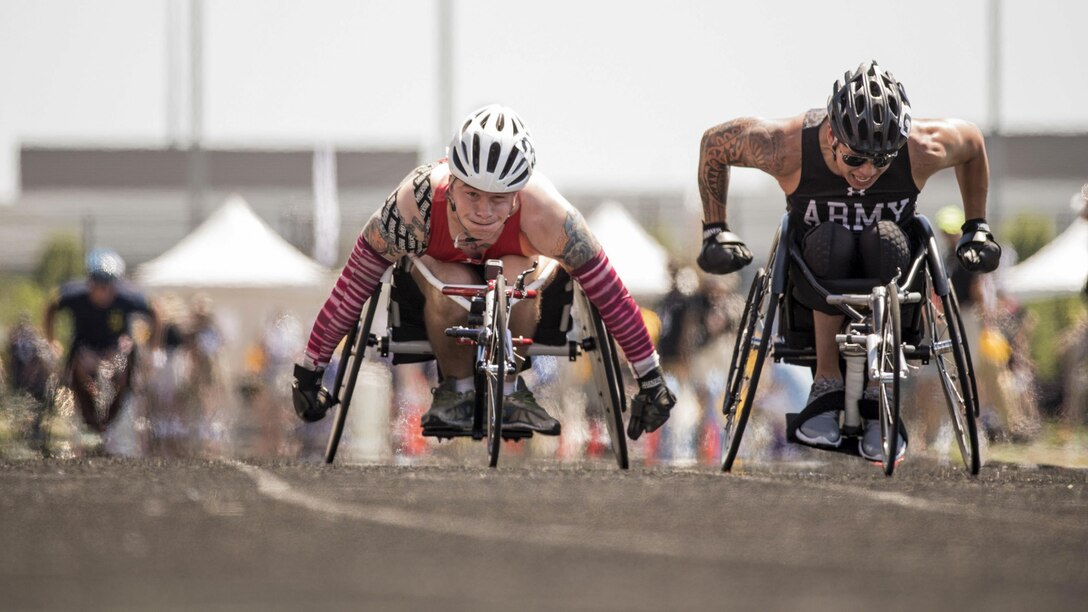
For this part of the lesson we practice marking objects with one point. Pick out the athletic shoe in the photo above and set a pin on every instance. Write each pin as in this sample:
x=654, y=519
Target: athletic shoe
x=872, y=446
x=520, y=412
x=822, y=430
x=449, y=409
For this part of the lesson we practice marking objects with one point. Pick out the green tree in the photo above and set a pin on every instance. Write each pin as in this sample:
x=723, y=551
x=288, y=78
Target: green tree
x=61, y=261
x=1027, y=233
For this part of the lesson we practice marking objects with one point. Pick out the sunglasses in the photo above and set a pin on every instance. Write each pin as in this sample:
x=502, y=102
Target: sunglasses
x=878, y=161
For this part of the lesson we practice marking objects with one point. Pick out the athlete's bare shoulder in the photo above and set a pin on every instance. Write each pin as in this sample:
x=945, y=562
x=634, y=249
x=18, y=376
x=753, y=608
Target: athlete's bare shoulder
x=813, y=117
x=553, y=227
x=935, y=144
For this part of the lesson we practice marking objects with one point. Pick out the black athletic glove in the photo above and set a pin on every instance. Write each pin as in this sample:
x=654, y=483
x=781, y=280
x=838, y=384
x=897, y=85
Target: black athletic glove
x=977, y=249
x=650, y=408
x=310, y=398
x=723, y=251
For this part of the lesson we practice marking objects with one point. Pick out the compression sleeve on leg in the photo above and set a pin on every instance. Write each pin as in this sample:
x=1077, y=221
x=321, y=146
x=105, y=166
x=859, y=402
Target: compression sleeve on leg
x=356, y=284
x=619, y=311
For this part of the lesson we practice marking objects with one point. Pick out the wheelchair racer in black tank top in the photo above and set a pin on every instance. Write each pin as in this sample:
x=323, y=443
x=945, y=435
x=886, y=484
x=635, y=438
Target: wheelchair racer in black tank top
x=851, y=173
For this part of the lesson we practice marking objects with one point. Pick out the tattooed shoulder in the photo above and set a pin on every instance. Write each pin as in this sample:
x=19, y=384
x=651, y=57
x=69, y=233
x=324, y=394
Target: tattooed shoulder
x=578, y=244
x=814, y=117
x=408, y=233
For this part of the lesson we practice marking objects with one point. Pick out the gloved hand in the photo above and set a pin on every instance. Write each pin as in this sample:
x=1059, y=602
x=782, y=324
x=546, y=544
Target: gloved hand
x=310, y=398
x=650, y=408
x=977, y=249
x=723, y=251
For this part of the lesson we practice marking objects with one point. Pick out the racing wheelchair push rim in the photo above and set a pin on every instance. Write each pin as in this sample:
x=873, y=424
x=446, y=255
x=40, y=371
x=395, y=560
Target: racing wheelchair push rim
x=750, y=352
x=954, y=367
x=353, y=353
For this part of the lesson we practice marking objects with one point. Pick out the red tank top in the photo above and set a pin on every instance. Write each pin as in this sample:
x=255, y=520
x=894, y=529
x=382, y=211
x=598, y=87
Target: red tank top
x=440, y=243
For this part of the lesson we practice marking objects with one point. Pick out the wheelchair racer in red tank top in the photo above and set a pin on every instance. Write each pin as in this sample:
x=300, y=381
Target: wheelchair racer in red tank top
x=484, y=201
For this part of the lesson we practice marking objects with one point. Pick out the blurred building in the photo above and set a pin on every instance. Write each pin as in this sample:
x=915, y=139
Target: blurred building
x=140, y=201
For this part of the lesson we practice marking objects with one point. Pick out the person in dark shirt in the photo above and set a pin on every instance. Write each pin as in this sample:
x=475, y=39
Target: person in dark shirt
x=851, y=173
x=100, y=356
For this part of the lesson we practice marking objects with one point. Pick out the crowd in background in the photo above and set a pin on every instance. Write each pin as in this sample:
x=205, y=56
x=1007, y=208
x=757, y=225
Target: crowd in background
x=188, y=403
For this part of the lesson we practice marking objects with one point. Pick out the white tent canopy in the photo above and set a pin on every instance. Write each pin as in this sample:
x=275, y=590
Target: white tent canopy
x=255, y=279
x=640, y=261
x=232, y=248
x=1059, y=268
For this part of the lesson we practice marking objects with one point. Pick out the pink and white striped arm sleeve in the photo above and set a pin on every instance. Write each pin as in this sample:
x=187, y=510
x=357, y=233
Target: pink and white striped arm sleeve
x=619, y=311
x=357, y=282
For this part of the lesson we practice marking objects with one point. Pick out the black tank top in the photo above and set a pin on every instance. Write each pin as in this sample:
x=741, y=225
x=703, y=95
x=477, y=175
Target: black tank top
x=823, y=196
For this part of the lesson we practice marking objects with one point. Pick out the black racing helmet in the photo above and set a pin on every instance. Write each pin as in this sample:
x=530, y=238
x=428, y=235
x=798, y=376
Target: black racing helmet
x=869, y=111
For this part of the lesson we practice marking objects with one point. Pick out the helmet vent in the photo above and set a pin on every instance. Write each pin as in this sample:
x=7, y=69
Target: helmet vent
x=493, y=153
x=509, y=162
x=524, y=176
x=500, y=121
x=457, y=162
x=475, y=157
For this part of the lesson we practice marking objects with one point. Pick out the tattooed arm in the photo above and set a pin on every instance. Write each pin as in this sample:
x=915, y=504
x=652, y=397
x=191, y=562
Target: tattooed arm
x=399, y=228
x=402, y=225
x=772, y=146
x=553, y=227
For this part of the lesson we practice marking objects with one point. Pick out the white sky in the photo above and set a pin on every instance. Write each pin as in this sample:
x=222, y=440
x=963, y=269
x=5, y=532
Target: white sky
x=617, y=92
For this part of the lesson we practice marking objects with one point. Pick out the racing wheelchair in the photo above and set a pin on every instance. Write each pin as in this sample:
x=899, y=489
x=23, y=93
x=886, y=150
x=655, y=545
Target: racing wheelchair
x=914, y=318
x=570, y=326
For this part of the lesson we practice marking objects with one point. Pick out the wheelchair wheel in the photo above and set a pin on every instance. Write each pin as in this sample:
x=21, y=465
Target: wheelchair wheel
x=891, y=354
x=494, y=368
x=951, y=353
x=609, y=383
x=347, y=373
x=754, y=339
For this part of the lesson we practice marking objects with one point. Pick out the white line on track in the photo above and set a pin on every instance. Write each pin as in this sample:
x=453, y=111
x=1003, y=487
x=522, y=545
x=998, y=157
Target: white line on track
x=554, y=534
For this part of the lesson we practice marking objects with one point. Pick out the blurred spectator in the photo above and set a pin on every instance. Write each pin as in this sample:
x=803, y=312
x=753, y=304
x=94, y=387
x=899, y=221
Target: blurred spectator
x=28, y=365
x=995, y=326
x=267, y=386
x=100, y=358
x=28, y=360
x=1073, y=349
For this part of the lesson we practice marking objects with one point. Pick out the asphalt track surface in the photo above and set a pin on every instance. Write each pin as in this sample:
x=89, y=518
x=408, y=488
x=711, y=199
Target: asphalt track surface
x=830, y=532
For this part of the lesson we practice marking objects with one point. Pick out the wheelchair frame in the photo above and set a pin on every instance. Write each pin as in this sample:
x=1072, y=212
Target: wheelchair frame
x=487, y=325
x=873, y=345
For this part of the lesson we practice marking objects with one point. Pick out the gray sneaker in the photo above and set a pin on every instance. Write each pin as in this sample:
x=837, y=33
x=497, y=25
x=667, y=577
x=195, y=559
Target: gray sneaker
x=872, y=448
x=520, y=412
x=449, y=409
x=822, y=429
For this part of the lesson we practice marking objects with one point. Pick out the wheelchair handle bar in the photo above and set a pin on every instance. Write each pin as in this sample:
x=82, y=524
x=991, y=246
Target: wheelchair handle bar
x=857, y=299
x=471, y=291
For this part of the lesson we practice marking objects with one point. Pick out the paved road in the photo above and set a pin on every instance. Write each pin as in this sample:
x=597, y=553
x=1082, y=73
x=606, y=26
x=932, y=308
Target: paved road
x=832, y=533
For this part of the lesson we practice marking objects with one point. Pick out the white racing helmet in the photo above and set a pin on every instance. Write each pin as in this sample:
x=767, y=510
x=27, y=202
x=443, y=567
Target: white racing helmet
x=493, y=150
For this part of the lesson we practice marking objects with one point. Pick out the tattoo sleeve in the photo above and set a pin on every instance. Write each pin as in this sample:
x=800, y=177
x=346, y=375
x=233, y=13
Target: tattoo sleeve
x=744, y=142
x=395, y=234
x=578, y=244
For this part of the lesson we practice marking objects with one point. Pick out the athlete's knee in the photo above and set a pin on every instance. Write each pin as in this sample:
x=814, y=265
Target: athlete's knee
x=829, y=250
x=885, y=249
